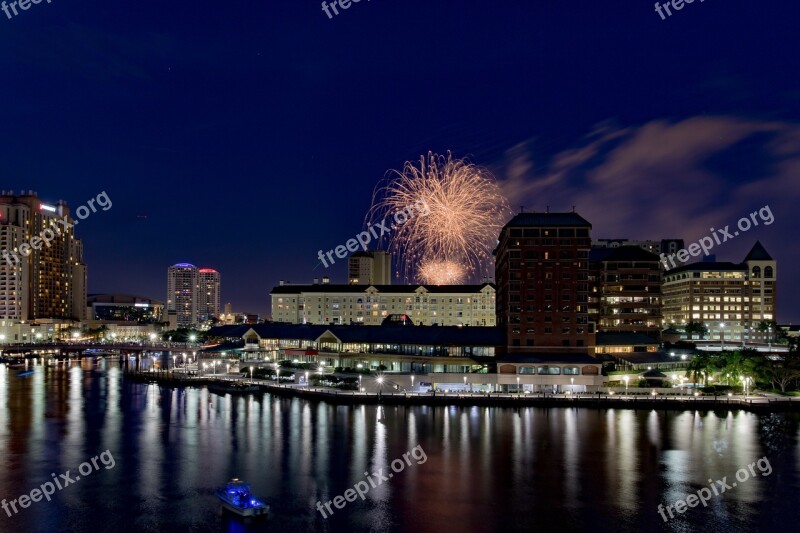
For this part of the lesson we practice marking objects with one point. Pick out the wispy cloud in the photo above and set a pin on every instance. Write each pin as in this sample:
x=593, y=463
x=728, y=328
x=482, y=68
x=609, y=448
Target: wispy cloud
x=665, y=179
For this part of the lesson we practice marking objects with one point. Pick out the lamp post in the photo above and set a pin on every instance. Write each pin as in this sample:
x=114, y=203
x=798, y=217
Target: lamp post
x=769, y=338
x=722, y=334
x=277, y=374
x=205, y=367
x=251, y=375
x=412, y=383
x=626, y=385
x=380, y=384
x=306, y=379
x=517, y=384
x=360, y=389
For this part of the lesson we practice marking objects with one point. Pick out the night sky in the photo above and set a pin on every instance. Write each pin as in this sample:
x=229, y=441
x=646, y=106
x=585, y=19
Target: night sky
x=245, y=136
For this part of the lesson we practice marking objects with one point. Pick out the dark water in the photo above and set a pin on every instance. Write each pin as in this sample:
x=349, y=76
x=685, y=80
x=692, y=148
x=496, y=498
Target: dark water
x=486, y=469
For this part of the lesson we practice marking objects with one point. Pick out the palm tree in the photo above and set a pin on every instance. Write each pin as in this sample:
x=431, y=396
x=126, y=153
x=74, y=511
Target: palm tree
x=700, y=366
x=695, y=327
x=736, y=365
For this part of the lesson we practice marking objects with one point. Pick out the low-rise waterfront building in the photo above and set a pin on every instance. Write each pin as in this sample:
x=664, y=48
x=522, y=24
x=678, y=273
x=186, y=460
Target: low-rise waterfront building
x=444, y=357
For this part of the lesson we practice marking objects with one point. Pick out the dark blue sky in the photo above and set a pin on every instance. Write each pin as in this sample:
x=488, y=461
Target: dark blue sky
x=252, y=134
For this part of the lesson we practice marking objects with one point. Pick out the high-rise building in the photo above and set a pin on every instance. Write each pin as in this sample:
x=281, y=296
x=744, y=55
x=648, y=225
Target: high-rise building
x=208, y=294
x=182, y=297
x=370, y=268
x=626, y=290
x=42, y=273
x=730, y=299
x=542, y=273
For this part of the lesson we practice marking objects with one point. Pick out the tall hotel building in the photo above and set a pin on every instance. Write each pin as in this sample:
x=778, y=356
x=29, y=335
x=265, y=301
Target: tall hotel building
x=208, y=293
x=182, y=297
x=730, y=299
x=370, y=268
x=542, y=273
x=50, y=282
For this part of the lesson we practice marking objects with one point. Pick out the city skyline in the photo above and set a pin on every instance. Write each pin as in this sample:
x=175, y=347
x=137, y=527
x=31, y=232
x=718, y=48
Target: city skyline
x=676, y=145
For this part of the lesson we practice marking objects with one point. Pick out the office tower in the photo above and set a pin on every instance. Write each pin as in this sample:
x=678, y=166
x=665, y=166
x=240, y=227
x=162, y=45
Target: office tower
x=626, y=290
x=42, y=273
x=730, y=299
x=182, y=298
x=208, y=294
x=370, y=268
x=542, y=273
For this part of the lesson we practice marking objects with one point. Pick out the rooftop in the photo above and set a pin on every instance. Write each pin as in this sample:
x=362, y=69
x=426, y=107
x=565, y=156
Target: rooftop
x=548, y=219
x=422, y=335
x=388, y=289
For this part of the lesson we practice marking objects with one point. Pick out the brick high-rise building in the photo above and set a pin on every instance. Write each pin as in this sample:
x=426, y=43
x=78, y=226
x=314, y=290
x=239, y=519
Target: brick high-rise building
x=542, y=274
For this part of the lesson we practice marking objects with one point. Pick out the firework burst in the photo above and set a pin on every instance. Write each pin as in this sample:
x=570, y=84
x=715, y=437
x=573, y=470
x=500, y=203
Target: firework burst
x=453, y=239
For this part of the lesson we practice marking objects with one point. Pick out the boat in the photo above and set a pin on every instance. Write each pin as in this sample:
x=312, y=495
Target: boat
x=25, y=374
x=232, y=388
x=236, y=498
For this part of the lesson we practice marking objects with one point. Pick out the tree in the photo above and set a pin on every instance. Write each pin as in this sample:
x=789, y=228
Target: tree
x=695, y=327
x=738, y=364
x=700, y=366
x=781, y=371
x=773, y=331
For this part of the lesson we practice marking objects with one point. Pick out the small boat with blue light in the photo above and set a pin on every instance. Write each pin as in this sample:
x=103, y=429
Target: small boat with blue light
x=237, y=498
x=25, y=374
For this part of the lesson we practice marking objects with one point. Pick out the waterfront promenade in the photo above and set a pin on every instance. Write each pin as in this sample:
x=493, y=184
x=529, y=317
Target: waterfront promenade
x=758, y=404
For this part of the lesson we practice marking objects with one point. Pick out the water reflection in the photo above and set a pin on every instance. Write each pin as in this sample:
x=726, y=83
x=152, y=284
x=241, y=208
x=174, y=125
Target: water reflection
x=488, y=469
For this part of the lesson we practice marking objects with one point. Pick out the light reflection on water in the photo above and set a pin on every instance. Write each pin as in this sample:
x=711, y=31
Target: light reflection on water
x=487, y=469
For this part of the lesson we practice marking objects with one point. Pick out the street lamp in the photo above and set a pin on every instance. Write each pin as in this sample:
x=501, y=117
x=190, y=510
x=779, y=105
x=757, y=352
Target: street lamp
x=626, y=385
x=572, y=385
x=722, y=334
x=228, y=369
x=205, y=367
x=360, y=389
x=769, y=339
x=517, y=384
x=251, y=374
x=192, y=337
x=412, y=383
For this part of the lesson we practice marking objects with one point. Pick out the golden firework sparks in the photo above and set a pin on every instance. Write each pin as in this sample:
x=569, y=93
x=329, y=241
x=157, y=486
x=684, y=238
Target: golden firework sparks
x=465, y=212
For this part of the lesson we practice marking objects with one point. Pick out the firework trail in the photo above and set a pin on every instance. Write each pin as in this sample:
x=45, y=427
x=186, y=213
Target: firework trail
x=454, y=240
